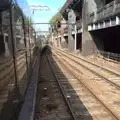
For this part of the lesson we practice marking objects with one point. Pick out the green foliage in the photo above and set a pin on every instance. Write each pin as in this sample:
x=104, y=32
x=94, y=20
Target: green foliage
x=55, y=18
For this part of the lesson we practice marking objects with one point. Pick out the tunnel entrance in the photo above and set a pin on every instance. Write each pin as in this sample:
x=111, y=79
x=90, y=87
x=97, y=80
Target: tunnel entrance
x=79, y=41
x=108, y=39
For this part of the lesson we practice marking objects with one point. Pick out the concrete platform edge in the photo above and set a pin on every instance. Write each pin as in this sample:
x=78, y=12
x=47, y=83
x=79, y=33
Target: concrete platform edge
x=28, y=107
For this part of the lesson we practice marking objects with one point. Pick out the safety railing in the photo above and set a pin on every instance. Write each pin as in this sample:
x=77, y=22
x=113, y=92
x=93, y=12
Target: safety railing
x=109, y=56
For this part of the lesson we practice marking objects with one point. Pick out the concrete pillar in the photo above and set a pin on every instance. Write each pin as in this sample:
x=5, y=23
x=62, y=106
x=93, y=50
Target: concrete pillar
x=88, y=45
x=71, y=27
x=88, y=40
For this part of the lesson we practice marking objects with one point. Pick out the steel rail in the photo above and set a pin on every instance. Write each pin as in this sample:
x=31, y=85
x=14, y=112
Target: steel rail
x=101, y=76
x=63, y=94
x=92, y=63
x=89, y=89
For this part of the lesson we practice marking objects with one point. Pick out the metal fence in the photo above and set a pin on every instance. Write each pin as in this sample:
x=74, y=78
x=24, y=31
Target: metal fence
x=109, y=56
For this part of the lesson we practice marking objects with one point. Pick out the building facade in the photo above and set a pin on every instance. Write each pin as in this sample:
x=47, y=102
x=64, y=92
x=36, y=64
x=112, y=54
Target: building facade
x=91, y=26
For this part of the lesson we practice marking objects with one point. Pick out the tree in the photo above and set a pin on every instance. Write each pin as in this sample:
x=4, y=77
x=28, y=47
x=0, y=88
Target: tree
x=55, y=18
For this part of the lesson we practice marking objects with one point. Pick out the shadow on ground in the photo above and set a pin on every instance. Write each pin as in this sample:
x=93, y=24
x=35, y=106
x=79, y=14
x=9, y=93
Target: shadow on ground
x=81, y=108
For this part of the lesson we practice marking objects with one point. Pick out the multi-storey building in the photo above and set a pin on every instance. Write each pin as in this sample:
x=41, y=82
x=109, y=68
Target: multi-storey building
x=90, y=26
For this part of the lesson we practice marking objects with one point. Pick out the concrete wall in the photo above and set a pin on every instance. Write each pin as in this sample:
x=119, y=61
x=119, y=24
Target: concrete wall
x=93, y=5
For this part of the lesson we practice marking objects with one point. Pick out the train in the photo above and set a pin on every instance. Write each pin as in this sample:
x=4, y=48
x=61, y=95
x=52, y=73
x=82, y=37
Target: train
x=17, y=44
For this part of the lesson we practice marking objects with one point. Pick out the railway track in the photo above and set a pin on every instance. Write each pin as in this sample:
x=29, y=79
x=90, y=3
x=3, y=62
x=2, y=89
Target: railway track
x=56, y=74
x=109, y=75
x=80, y=101
x=105, y=68
x=103, y=62
x=108, y=93
x=51, y=102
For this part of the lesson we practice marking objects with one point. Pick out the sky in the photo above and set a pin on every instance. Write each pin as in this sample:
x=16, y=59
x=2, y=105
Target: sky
x=44, y=16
